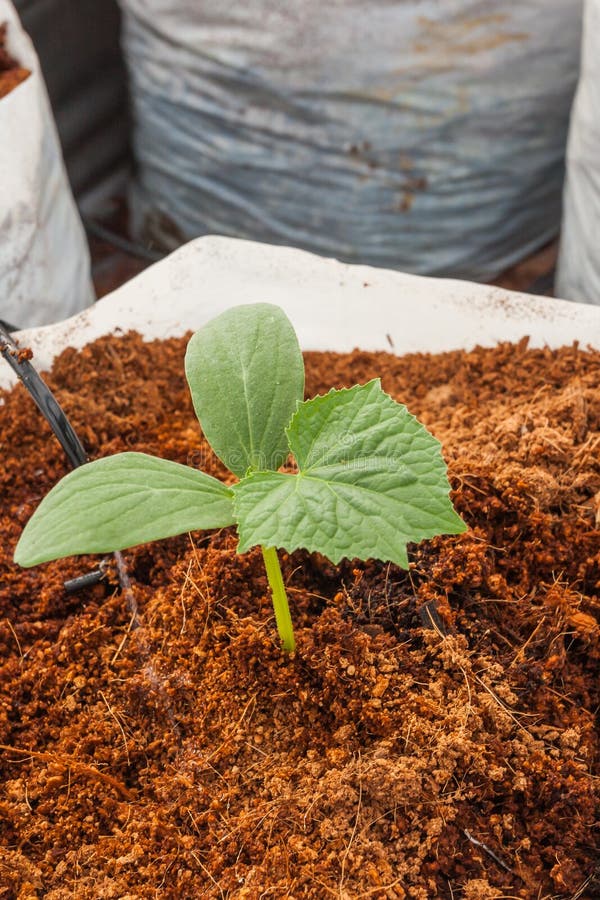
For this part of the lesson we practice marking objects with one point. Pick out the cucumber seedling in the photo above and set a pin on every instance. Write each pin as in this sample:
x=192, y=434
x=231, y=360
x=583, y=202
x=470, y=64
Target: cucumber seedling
x=370, y=478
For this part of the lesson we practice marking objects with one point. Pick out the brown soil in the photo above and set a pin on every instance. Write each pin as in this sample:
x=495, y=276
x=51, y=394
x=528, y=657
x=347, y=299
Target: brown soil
x=11, y=73
x=434, y=735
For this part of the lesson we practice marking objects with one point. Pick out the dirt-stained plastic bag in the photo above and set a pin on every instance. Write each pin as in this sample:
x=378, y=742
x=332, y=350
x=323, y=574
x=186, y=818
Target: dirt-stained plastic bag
x=44, y=257
x=578, y=274
x=416, y=135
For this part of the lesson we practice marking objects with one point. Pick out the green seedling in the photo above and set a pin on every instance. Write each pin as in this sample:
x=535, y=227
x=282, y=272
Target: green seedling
x=370, y=478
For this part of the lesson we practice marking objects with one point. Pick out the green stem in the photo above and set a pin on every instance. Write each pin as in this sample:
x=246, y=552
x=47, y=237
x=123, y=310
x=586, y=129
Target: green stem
x=280, y=600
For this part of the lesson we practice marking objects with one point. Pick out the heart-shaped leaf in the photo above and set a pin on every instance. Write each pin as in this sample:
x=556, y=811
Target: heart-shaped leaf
x=371, y=479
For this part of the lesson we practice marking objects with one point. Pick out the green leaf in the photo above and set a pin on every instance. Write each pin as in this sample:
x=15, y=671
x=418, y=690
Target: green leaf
x=371, y=479
x=246, y=375
x=121, y=501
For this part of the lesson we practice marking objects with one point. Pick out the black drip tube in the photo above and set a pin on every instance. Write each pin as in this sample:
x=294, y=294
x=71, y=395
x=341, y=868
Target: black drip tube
x=56, y=418
x=43, y=398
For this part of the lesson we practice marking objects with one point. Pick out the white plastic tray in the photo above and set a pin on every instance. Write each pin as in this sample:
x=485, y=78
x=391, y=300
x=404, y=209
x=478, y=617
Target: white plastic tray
x=333, y=306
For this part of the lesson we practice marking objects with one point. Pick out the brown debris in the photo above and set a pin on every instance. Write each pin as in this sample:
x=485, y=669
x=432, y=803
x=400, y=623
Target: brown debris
x=11, y=73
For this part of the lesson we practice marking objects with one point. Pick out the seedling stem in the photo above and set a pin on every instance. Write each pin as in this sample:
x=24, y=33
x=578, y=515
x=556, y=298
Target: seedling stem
x=280, y=600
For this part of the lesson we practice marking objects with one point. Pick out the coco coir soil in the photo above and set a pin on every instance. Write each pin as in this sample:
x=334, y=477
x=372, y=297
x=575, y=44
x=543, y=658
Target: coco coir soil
x=434, y=735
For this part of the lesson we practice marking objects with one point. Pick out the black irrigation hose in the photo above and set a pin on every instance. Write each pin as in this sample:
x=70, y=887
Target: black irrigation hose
x=49, y=407
x=43, y=398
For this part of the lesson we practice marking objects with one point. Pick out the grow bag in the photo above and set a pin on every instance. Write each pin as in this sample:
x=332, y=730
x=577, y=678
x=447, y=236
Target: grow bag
x=578, y=272
x=422, y=136
x=435, y=727
x=44, y=258
x=332, y=305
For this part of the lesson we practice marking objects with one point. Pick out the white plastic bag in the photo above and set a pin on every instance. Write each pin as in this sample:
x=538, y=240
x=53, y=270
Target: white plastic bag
x=578, y=275
x=44, y=257
x=333, y=306
x=418, y=135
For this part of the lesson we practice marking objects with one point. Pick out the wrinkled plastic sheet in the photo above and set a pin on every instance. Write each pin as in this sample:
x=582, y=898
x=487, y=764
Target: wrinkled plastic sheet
x=423, y=136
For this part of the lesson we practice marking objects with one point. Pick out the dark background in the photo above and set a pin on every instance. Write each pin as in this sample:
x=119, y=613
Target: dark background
x=77, y=42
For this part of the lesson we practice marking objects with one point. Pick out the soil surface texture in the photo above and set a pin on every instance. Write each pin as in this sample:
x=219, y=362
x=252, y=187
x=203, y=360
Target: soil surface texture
x=434, y=735
x=11, y=73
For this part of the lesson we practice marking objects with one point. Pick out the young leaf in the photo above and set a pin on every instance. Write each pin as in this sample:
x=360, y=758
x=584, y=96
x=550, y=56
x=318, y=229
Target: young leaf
x=246, y=375
x=371, y=479
x=121, y=501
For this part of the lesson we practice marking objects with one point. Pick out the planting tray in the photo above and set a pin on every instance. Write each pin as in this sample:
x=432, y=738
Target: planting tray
x=332, y=305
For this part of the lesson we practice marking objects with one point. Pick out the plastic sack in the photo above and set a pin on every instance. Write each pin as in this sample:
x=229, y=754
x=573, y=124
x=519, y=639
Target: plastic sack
x=44, y=257
x=423, y=136
x=326, y=301
x=578, y=273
